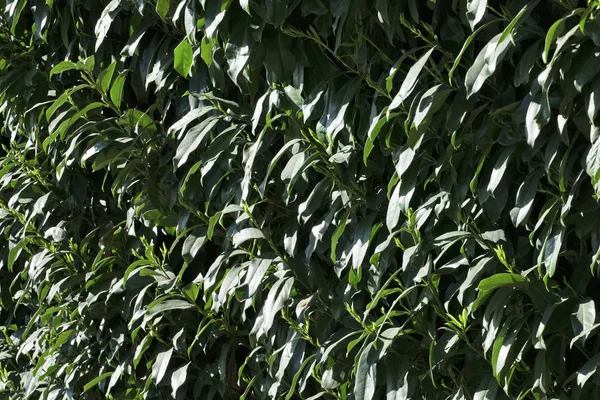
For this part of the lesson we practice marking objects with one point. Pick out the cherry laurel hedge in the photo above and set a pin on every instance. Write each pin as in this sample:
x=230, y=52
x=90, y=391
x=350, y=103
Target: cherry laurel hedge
x=299, y=199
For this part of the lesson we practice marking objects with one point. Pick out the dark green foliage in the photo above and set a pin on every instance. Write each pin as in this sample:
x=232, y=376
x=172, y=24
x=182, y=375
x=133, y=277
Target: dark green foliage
x=294, y=199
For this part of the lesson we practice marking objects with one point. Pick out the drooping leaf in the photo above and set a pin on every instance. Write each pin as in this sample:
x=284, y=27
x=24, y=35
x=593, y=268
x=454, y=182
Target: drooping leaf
x=525, y=198
x=184, y=58
x=410, y=81
x=116, y=91
x=475, y=11
x=193, y=139
x=247, y=234
x=159, y=368
x=485, y=64
x=332, y=120
x=361, y=240
x=366, y=374
x=178, y=378
x=583, y=319
x=105, y=78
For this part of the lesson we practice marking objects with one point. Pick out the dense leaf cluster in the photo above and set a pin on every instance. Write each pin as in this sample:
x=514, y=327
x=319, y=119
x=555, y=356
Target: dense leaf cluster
x=299, y=199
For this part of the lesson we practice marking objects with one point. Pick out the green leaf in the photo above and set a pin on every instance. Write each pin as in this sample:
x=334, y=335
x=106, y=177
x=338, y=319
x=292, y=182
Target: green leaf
x=525, y=197
x=425, y=104
x=366, y=374
x=394, y=209
x=314, y=201
x=116, y=91
x=192, y=115
x=526, y=64
x=592, y=162
x=215, y=13
x=296, y=377
x=295, y=168
x=206, y=47
x=62, y=338
x=389, y=81
x=14, y=252
x=214, y=220
x=339, y=231
x=63, y=128
x=248, y=168
x=162, y=8
x=499, y=170
x=103, y=24
x=159, y=368
x=500, y=280
x=485, y=64
x=96, y=381
x=115, y=377
x=138, y=120
x=401, y=197
x=502, y=349
x=487, y=285
x=551, y=249
x=245, y=235
x=167, y=305
x=16, y=10
x=486, y=390
x=62, y=100
x=141, y=348
x=377, y=122
x=429, y=104
x=583, y=320
x=332, y=120
x=588, y=369
x=238, y=50
x=278, y=296
x=277, y=11
x=464, y=48
x=193, y=139
x=405, y=159
x=593, y=100
x=184, y=57
x=256, y=272
x=63, y=66
x=410, y=81
x=192, y=245
x=397, y=384
x=473, y=274
x=245, y=6
x=311, y=102
x=555, y=30
x=105, y=78
x=361, y=240
x=508, y=31
x=273, y=163
x=475, y=11
x=592, y=30
x=178, y=379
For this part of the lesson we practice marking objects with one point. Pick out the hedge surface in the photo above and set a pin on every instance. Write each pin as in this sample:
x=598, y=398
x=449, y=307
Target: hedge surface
x=299, y=199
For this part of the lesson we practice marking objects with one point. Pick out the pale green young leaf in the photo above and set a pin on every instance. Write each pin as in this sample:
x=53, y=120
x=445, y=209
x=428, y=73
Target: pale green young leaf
x=183, y=58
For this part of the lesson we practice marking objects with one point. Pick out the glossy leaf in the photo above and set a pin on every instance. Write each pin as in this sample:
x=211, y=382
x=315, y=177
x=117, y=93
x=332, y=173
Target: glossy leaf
x=184, y=56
